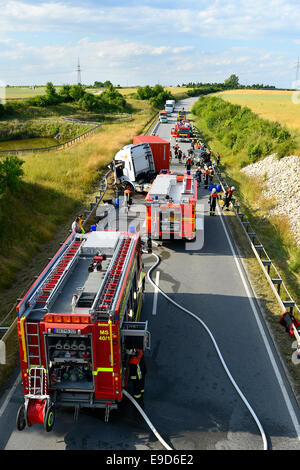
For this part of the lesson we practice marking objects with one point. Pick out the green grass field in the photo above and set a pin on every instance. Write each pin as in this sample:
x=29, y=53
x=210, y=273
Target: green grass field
x=274, y=105
x=24, y=92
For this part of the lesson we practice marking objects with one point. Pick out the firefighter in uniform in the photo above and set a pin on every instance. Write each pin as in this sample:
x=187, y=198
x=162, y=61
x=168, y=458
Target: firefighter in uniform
x=228, y=197
x=206, y=173
x=213, y=201
x=128, y=197
x=137, y=372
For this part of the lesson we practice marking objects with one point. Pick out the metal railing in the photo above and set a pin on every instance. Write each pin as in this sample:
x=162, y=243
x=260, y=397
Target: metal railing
x=89, y=214
x=57, y=147
x=282, y=295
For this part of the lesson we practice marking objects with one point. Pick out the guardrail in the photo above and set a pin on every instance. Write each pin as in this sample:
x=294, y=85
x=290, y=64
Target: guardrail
x=282, y=295
x=88, y=215
x=7, y=331
x=57, y=147
x=67, y=144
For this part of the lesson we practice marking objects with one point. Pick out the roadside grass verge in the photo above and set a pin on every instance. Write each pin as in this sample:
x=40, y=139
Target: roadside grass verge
x=274, y=232
x=56, y=185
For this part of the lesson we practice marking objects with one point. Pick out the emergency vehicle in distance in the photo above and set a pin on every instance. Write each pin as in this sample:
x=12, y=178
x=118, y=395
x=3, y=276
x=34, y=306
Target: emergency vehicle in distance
x=78, y=324
x=182, y=132
x=171, y=207
x=181, y=115
x=163, y=116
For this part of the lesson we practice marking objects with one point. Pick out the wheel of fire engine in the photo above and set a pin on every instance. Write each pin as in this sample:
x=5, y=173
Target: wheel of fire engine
x=21, y=421
x=49, y=419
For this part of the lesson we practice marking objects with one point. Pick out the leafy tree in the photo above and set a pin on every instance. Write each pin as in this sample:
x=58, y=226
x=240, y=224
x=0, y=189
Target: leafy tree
x=50, y=94
x=11, y=173
x=232, y=81
x=77, y=92
x=64, y=94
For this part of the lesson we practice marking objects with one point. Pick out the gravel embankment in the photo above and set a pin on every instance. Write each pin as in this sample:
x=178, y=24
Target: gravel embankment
x=282, y=182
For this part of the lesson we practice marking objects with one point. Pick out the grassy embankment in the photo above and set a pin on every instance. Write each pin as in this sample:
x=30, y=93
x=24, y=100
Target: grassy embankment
x=242, y=138
x=274, y=232
x=57, y=185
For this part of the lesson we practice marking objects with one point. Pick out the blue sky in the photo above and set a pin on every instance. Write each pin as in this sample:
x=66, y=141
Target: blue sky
x=147, y=42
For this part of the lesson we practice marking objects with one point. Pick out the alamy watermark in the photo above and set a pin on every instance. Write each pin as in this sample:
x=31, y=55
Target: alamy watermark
x=165, y=224
x=296, y=92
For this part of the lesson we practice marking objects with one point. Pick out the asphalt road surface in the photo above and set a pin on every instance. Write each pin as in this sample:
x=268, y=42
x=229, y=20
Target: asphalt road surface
x=188, y=396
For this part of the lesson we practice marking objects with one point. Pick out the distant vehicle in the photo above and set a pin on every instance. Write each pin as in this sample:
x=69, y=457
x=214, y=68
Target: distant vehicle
x=163, y=116
x=181, y=115
x=182, y=132
x=169, y=106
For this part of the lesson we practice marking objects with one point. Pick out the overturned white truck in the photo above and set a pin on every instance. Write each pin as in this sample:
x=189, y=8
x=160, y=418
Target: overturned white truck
x=136, y=165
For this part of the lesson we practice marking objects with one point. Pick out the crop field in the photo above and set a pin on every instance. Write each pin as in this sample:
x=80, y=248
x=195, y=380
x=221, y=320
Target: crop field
x=274, y=105
x=24, y=92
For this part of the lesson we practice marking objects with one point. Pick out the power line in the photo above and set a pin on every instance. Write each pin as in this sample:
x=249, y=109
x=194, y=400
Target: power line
x=78, y=73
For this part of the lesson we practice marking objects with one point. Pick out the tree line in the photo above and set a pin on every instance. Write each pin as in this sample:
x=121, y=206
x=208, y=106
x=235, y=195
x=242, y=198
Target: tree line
x=242, y=131
x=110, y=100
x=231, y=83
x=156, y=95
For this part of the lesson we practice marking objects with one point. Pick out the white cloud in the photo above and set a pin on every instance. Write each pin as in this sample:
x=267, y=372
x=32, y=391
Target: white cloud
x=219, y=18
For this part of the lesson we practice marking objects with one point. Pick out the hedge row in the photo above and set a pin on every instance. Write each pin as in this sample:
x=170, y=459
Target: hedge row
x=242, y=131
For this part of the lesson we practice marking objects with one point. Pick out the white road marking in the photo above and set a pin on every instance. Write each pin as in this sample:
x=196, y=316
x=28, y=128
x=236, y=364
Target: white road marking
x=9, y=395
x=261, y=329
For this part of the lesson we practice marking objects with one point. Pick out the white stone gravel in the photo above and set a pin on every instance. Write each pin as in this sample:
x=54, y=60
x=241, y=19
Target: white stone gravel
x=282, y=182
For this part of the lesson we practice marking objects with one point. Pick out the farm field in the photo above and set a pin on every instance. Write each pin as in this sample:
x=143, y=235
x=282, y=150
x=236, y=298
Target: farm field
x=24, y=92
x=274, y=105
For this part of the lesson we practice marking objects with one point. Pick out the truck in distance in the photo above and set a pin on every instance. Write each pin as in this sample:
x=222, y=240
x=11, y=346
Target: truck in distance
x=163, y=116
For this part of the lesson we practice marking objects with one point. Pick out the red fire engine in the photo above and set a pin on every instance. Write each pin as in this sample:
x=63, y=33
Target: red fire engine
x=182, y=131
x=171, y=207
x=78, y=325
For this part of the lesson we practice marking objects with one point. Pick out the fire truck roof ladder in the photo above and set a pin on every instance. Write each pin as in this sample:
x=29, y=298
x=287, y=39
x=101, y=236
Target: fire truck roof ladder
x=50, y=285
x=105, y=299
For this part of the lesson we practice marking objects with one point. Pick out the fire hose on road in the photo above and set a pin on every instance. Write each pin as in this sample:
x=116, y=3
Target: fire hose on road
x=244, y=399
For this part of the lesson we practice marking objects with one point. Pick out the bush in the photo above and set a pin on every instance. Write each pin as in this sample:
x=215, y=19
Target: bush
x=11, y=173
x=240, y=130
x=254, y=152
x=156, y=95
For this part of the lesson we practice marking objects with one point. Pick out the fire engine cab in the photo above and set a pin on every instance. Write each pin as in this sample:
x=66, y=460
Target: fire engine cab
x=78, y=325
x=182, y=132
x=171, y=207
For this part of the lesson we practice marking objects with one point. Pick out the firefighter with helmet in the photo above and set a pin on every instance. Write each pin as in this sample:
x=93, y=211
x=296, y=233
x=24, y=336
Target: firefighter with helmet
x=213, y=201
x=228, y=197
x=137, y=372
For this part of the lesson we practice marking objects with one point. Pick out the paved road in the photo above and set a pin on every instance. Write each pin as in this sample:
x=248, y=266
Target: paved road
x=189, y=398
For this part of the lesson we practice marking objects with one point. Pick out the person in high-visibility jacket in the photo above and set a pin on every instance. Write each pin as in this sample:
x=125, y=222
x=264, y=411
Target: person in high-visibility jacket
x=206, y=174
x=128, y=197
x=80, y=222
x=213, y=201
x=228, y=197
x=137, y=372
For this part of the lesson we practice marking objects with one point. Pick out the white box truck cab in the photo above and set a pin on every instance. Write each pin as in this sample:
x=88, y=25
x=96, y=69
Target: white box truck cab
x=169, y=106
x=134, y=167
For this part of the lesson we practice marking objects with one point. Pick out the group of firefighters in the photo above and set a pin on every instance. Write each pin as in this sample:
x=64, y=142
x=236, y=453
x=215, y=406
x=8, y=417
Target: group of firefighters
x=206, y=169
